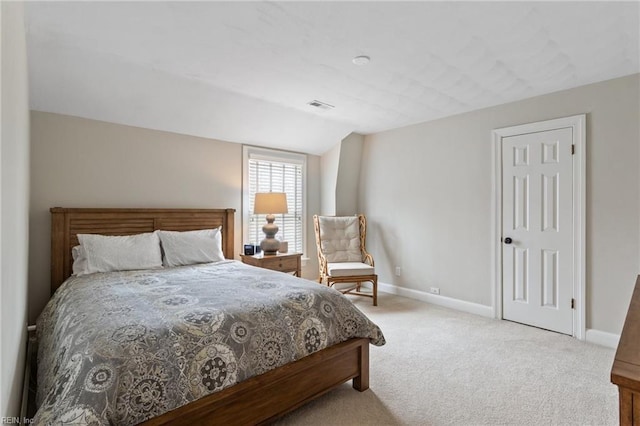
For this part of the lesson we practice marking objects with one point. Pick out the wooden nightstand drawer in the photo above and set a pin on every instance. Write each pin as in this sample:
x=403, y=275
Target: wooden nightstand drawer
x=284, y=262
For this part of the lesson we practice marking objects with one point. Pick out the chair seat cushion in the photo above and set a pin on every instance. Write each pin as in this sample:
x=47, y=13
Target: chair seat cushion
x=349, y=269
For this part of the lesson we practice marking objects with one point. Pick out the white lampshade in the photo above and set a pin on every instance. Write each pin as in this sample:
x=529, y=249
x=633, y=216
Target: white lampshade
x=270, y=203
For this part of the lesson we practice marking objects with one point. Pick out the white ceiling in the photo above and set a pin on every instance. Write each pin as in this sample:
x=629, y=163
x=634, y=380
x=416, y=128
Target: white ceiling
x=245, y=71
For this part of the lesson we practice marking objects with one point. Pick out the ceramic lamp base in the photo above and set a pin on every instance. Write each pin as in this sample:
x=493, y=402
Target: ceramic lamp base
x=270, y=245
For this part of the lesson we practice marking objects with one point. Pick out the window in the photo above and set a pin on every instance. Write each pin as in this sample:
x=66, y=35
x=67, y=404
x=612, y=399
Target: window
x=268, y=170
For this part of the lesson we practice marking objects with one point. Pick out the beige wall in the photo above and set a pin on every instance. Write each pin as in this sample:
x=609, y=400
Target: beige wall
x=14, y=200
x=340, y=174
x=349, y=175
x=426, y=190
x=310, y=265
x=77, y=162
x=329, y=163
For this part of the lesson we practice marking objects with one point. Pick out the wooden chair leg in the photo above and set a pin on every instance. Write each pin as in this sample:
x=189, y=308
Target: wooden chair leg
x=375, y=291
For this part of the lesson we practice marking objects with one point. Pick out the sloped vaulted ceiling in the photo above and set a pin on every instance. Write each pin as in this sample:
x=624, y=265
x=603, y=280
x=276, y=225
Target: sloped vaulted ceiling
x=245, y=71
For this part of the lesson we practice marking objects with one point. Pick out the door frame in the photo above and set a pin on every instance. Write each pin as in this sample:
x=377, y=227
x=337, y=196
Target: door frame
x=578, y=124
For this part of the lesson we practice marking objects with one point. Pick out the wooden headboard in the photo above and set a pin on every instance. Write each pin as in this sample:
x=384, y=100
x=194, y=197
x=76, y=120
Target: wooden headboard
x=66, y=224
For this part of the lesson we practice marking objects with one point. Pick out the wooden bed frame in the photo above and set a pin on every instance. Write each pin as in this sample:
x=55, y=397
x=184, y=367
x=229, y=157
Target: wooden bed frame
x=258, y=400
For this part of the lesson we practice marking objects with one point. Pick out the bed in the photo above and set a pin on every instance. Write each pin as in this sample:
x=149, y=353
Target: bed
x=260, y=397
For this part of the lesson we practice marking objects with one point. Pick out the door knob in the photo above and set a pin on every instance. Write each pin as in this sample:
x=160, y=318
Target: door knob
x=508, y=240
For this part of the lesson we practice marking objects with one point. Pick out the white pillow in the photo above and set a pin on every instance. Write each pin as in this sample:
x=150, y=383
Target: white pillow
x=121, y=253
x=191, y=247
x=79, y=261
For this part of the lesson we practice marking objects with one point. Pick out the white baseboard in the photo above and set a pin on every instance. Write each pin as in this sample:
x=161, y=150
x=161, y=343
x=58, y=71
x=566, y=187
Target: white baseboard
x=597, y=337
x=436, y=299
x=602, y=338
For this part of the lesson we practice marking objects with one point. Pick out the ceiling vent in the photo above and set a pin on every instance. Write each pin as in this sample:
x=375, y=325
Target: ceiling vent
x=320, y=105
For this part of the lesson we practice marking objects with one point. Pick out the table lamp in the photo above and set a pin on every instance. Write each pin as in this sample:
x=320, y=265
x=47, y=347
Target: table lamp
x=270, y=203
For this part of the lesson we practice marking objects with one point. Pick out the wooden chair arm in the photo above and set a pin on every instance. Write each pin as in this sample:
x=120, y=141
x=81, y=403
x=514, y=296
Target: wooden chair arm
x=322, y=264
x=322, y=260
x=367, y=258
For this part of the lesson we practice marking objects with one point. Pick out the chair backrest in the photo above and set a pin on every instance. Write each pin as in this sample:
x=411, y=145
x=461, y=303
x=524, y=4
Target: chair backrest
x=341, y=238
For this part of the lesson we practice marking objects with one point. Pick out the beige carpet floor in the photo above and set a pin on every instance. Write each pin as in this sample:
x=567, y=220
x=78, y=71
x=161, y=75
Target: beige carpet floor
x=444, y=367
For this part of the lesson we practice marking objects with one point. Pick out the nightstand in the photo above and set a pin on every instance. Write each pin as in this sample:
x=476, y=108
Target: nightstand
x=283, y=262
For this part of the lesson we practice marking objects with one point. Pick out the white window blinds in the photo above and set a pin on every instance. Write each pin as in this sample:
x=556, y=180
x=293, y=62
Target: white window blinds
x=268, y=173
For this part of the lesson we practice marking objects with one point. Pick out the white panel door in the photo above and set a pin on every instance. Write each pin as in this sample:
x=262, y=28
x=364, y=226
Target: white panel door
x=537, y=229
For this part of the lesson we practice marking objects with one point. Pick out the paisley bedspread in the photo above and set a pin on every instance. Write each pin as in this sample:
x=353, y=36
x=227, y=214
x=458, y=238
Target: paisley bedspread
x=122, y=347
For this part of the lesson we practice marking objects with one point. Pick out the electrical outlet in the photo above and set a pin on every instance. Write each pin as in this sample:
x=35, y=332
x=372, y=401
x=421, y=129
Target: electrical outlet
x=435, y=290
x=398, y=271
